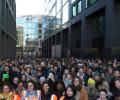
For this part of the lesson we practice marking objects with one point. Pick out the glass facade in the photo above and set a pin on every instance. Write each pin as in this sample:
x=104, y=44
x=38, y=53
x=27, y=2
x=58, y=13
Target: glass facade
x=58, y=12
x=30, y=26
x=32, y=32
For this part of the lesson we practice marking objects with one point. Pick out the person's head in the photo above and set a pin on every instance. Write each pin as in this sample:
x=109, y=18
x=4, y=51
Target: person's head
x=102, y=75
x=60, y=85
x=45, y=87
x=116, y=73
x=28, y=70
x=110, y=71
x=51, y=75
x=105, y=84
x=117, y=82
x=7, y=69
x=6, y=88
x=70, y=91
x=96, y=76
x=15, y=80
x=42, y=79
x=81, y=71
x=23, y=77
x=77, y=82
x=20, y=86
x=30, y=85
x=91, y=83
x=66, y=71
x=102, y=94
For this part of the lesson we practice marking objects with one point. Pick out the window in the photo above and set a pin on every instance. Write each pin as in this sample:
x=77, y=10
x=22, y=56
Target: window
x=90, y=2
x=74, y=10
x=79, y=6
x=65, y=13
x=73, y=1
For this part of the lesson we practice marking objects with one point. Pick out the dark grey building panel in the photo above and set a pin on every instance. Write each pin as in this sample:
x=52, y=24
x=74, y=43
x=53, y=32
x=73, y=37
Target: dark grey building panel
x=7, y=28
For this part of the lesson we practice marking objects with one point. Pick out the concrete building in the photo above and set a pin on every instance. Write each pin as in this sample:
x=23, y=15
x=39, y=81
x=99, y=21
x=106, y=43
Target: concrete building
x=7, y=28
x=31, y=25
x=88, y=28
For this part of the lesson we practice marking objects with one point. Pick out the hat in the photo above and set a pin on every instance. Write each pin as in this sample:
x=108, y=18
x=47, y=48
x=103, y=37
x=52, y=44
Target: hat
x=42, y=78
x=90, y=81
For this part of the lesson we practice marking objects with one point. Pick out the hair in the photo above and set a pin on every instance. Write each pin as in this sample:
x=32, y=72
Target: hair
x=80, y=82
x=102, y=90
x=73, y=90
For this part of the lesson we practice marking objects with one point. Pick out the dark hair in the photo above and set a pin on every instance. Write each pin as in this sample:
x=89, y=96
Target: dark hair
x=102, y=90
x=73, y=90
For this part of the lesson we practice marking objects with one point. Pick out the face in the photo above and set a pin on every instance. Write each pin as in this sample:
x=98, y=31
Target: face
x=69, y=92
x=66, y=71
x=117, y=84
x=30, y=86
x=110, y=71
x=45, y=88
x=96, y=78
x=23, y=78
x=15, y=80
x=20, y=86
x=116, y=74
x=76, y=82
x=80, y=70
x=102, y=95
x=6, y=68
x=59, y=86
x=6, y=89
x=28, y=70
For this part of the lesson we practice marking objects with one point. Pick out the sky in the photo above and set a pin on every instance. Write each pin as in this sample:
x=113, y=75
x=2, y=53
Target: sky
x=29, y=7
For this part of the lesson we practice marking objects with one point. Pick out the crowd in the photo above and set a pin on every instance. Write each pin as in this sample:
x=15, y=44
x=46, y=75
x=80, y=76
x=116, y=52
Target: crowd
x=34, y=78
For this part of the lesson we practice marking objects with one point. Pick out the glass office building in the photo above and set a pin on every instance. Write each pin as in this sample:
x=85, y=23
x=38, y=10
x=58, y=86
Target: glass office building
x=86, y=28
x=31, y=32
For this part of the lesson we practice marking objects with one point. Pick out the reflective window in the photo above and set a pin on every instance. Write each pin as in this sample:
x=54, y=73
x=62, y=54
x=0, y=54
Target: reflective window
x=73, y=1
x=74, y=10
x=90, y=2
x=58, y=5
x=79, y=6
x=64, y=1
x=59, y=20
x=65, y=13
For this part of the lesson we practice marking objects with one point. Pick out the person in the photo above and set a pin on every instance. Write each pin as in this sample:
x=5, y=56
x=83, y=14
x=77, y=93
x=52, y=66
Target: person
x=116, y=91
x=15, y=82
x=47, y=93
x=18, y=92
x=60, y=89
x=81, y=93
x=70, y=93
x=6, y=94
x=67, y=80
x=92, y=91
x=102, y=94
x=31, y=93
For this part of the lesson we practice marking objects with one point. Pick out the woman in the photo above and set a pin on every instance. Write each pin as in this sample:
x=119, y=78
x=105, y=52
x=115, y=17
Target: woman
x=47, y=93
x=60, y=89
x=18, y=92
x=70, y=93
x=31, y=93
x=6, y=94
x=81, y=93
x=102, y=95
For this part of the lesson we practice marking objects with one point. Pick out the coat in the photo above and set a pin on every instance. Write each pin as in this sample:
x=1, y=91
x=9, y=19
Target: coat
x=83, y=94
